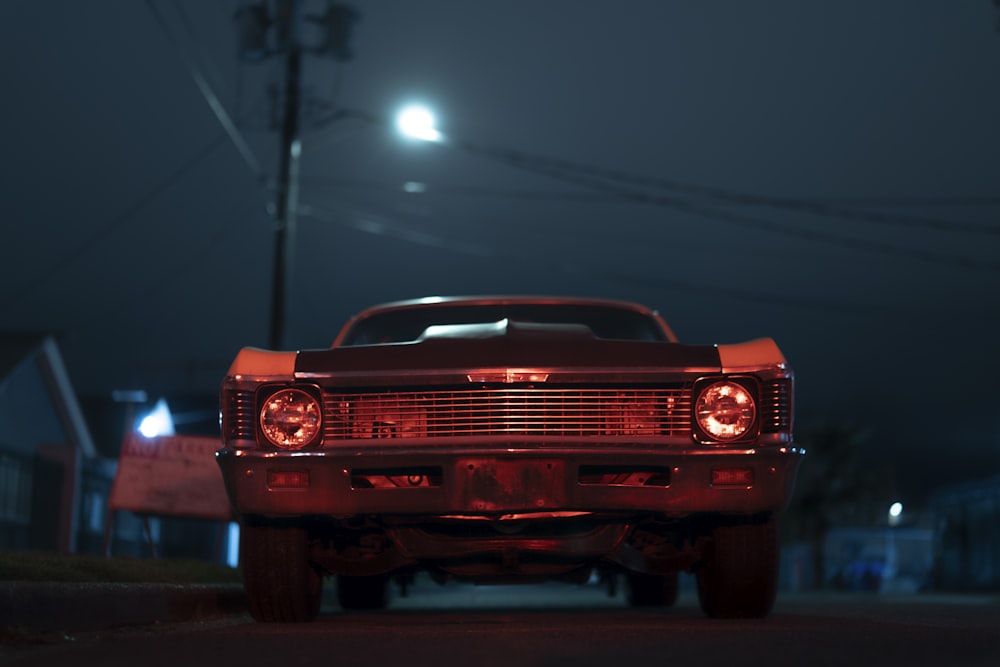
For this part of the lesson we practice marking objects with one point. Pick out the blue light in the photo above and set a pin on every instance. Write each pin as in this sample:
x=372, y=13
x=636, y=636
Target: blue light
x=158, y=422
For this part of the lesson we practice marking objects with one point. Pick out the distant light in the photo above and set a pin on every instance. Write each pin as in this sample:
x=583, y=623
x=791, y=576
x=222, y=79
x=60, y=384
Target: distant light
x=233, y=552
x=158, y=422
x=418, y=123
x=895, y=512
x=414, y=187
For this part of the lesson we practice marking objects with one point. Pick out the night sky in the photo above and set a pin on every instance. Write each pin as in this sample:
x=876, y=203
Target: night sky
x=823, y=172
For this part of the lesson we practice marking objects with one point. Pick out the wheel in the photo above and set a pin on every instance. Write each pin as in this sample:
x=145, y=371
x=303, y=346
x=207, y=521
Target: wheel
x=739, y=579
x=362, y=592
x=281, y=584
x=652, y=590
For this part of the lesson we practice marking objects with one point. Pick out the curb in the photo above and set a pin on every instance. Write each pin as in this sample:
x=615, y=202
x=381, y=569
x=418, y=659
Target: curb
x=82, y=607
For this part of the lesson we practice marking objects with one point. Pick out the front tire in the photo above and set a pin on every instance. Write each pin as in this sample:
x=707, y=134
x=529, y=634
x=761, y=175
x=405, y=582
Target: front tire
x=281, y=584
x=739, y=579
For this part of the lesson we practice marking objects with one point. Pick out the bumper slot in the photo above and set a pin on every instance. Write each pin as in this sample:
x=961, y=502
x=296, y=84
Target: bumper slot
x=397, y=478
x=623, y=475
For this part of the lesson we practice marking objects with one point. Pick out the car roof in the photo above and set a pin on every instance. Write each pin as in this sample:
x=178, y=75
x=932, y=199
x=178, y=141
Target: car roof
x=508, y=299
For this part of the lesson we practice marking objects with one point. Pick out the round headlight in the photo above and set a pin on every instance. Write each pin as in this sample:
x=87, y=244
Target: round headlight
x=290, y=418
x=725, y=410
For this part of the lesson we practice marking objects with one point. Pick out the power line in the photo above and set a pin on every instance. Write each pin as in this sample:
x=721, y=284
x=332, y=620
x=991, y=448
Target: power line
x=554, y=169
x=180, y=266
x=590, y=197
x=608, y=181
x=811, y=206
x=923, y=201
x=499, y=193
x=214, y=103
x=60, y=265
x=66, y=261
x=369, y=224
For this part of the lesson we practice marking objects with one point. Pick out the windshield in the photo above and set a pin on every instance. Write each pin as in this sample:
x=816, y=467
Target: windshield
x=406, y=325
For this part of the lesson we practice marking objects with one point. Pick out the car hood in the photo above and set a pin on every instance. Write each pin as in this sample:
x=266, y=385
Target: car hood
x=506, y=345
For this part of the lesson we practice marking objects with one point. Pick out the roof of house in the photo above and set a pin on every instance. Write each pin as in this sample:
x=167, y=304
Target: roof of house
x=16, y=347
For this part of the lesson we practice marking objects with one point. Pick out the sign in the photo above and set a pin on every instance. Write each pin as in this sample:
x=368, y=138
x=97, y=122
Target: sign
x=173, y=475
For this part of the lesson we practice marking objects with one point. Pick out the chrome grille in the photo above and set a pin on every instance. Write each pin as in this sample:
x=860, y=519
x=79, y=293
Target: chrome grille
x=508, y=411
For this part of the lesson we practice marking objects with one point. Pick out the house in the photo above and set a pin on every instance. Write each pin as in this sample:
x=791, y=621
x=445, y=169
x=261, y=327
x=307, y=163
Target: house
x=967, y=526
x=48, y=463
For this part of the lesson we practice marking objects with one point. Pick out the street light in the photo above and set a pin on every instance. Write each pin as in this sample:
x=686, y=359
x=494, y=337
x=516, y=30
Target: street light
x=895, y=513
x=417, y=122
x=891, y=555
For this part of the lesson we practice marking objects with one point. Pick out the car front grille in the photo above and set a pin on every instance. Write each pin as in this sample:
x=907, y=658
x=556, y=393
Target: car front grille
x=526, y=411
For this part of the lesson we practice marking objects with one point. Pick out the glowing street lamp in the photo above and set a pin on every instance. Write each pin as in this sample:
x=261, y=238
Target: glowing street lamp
x=417, y=122
x=891, y=557
x=895, y=513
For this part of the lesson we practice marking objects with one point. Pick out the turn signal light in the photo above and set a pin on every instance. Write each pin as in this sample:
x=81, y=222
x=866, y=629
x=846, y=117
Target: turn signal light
x=287, y=479
x=732, y=477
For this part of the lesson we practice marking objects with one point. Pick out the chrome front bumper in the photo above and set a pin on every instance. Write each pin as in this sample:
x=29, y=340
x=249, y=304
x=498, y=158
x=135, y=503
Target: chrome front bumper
x=505, y=479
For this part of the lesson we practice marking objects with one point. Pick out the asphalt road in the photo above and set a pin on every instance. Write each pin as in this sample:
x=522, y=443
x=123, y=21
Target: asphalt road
x=557, y=625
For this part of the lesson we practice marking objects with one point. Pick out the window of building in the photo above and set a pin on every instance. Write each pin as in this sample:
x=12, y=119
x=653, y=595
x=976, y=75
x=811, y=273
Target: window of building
x=15, y=489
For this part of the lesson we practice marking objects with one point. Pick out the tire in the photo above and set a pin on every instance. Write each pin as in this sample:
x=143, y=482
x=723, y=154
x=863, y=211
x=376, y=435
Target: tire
x=354, y=593
x=281, y=584
x=740, y=577
x=651, y=590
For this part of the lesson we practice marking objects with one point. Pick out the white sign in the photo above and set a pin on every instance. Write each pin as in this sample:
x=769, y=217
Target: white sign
x=171, y=475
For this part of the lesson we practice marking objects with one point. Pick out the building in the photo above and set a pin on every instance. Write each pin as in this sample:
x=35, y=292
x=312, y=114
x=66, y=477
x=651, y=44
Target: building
x=967, y=528
x=52, y=481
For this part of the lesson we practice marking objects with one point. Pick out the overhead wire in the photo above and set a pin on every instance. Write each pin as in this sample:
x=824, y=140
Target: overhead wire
x=921, y=200
x=367, y=223
x=501, y=193
x=590, y=197
x=231, y=131
x=689, y=198
x=214, y=103
x=65, y=261
x=585, y=177
x=811, y=206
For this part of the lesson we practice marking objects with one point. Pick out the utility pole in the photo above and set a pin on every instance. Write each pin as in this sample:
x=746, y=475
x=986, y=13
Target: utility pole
x=254, y=23
x=288, y=175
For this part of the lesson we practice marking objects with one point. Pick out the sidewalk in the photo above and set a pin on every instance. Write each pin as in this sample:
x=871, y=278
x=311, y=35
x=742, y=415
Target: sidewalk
x=81, y=607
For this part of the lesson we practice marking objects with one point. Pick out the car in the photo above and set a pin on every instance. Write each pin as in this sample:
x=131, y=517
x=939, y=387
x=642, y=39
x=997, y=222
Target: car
x=515, y=439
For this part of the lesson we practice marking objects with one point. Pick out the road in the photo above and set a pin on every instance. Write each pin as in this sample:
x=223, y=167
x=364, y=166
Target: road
x=558, y=625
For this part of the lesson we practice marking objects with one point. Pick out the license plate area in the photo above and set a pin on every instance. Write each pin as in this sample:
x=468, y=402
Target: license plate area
x=512, y=485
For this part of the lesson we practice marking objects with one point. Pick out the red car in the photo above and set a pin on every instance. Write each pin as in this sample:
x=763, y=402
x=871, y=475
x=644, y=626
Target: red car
x=509, y=439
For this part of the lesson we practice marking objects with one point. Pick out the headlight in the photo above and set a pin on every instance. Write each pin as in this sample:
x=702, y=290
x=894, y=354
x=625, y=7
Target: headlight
x=291, y=418
x=725, y=410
